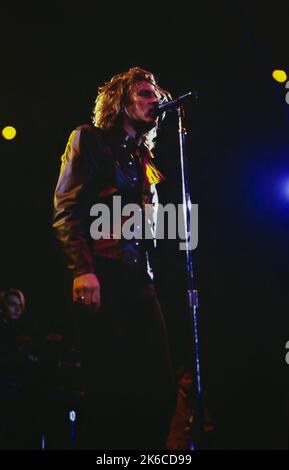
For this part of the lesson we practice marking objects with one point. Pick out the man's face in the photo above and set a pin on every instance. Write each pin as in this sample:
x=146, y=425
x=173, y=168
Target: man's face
x=14, y=309
x=139, y=110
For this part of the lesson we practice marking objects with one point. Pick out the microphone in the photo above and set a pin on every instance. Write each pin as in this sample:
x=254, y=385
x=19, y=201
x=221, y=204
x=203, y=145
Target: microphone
x=173, y=104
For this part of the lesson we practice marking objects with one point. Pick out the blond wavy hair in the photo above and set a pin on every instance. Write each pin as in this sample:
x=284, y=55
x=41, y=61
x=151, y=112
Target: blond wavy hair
x=6, y=293
x=114, y=95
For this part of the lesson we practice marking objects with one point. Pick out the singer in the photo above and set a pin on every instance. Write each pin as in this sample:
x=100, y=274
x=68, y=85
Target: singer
x=120, y=326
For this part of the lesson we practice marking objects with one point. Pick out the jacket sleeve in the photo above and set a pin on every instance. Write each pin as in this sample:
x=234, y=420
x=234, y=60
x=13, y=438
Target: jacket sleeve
x=71, y=203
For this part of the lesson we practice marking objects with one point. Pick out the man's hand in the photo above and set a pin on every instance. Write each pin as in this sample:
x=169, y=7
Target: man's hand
x=86, y=290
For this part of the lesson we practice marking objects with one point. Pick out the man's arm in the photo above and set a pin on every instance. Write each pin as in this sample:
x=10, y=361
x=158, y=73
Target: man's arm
x=71, y=216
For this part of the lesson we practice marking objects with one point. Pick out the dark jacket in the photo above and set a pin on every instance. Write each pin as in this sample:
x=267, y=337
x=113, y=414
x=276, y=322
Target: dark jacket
x=97, y=165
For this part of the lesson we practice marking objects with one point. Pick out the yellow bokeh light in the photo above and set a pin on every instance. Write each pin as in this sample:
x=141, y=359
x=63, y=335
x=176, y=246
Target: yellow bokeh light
x=9, y=132
x=279, y=75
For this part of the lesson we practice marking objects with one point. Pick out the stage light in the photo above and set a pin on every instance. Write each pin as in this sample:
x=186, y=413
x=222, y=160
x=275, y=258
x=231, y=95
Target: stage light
x=285, y=188
x=279, y=75
x=9, y=132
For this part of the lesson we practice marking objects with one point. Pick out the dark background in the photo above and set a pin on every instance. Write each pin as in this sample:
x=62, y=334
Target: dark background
x=53, y=58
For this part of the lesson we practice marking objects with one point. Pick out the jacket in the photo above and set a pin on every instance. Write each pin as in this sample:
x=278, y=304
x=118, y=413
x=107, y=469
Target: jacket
x=97, y=165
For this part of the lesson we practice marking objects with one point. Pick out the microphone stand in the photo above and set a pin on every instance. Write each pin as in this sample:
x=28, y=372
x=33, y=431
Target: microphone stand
x=197, y=425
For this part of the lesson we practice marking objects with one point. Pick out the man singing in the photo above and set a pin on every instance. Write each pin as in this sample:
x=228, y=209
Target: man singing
x=120, y=325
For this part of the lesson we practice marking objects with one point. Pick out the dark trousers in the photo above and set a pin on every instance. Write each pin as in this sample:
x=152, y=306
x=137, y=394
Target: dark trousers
x=126, y=366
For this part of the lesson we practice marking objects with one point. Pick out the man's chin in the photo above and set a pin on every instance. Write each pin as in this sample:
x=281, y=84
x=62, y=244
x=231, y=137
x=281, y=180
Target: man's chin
x=149, y=124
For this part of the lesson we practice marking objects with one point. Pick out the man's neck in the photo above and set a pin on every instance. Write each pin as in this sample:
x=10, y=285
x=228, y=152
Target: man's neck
x=132, y=132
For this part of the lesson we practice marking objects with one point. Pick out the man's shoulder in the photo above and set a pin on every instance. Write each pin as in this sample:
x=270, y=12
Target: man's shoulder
x=95, y=137
x=90, y=129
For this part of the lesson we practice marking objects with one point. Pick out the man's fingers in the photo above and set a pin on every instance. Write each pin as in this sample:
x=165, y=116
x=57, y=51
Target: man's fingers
x=95, y=298
x=90, y=297
x=87, y=298
x=86, y=291
x=78, y=295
